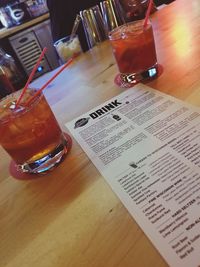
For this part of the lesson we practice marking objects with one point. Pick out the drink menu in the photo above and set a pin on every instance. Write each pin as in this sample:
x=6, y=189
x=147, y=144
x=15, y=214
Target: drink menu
x=146, y=145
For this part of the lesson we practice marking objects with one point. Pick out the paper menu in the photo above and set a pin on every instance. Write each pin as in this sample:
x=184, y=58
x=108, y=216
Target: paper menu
x=146, y=145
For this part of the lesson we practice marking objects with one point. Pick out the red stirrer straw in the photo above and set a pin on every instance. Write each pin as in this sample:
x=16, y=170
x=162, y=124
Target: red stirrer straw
x=148, y=13
x=49, y=81
x=31, y=76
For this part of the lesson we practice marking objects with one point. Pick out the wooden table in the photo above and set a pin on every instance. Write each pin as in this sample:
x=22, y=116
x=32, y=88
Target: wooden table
x=70, y=217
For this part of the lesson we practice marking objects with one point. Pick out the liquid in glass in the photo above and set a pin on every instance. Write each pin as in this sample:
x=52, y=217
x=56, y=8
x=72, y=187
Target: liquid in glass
x=30, y=133
x=134, y=50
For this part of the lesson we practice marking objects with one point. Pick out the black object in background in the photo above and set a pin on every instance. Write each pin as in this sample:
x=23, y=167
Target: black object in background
x=62, y=17
x=161, y=2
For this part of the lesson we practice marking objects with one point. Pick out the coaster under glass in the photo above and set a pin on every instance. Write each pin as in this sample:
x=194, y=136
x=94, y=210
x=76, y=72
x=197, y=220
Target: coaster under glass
x=128, y=81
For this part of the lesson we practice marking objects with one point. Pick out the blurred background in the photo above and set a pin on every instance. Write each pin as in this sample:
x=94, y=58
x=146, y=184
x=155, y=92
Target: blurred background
x=25, y=28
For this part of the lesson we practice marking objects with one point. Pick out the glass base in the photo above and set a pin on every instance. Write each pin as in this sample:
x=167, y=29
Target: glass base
x=134, y=78
x=48, y=162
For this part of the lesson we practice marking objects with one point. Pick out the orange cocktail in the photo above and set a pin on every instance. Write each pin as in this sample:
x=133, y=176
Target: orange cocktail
x=30, y=133
x=134, y=50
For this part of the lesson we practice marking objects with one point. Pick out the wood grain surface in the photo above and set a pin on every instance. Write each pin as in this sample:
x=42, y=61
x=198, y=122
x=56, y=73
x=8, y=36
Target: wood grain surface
x=70, y=217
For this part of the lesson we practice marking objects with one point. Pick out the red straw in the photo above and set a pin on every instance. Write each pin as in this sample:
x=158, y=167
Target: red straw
x=49, y=81
x=148, y=13
x=31, y=75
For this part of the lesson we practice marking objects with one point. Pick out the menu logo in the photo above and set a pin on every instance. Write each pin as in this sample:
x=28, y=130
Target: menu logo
x=81, y=122
x=105, y=109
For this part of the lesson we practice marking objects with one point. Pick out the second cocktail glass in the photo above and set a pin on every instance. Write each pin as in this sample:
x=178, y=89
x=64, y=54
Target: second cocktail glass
x=134, y=50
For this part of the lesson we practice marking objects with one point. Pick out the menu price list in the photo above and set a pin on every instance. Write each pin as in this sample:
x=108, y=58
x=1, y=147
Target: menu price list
x=146, y=145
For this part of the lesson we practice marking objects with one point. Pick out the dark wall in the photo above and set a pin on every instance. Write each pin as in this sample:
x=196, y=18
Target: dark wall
x=161, y=2
x=5, y=2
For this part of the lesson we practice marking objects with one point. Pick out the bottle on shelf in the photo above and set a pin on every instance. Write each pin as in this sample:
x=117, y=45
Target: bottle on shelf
x=9, y=74
x=135, y=9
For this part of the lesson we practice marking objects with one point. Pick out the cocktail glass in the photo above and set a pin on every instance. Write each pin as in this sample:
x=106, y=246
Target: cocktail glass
x=30, y=133
x=134, y=50
x=68, y=47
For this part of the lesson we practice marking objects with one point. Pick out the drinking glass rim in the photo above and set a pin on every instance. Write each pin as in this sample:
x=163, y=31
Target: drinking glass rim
x=114, y=32
x=63, y=38
x=18, y=113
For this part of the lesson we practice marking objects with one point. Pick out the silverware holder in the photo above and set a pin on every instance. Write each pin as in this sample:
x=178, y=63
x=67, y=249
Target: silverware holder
x=112, y=14
x=93, y=25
